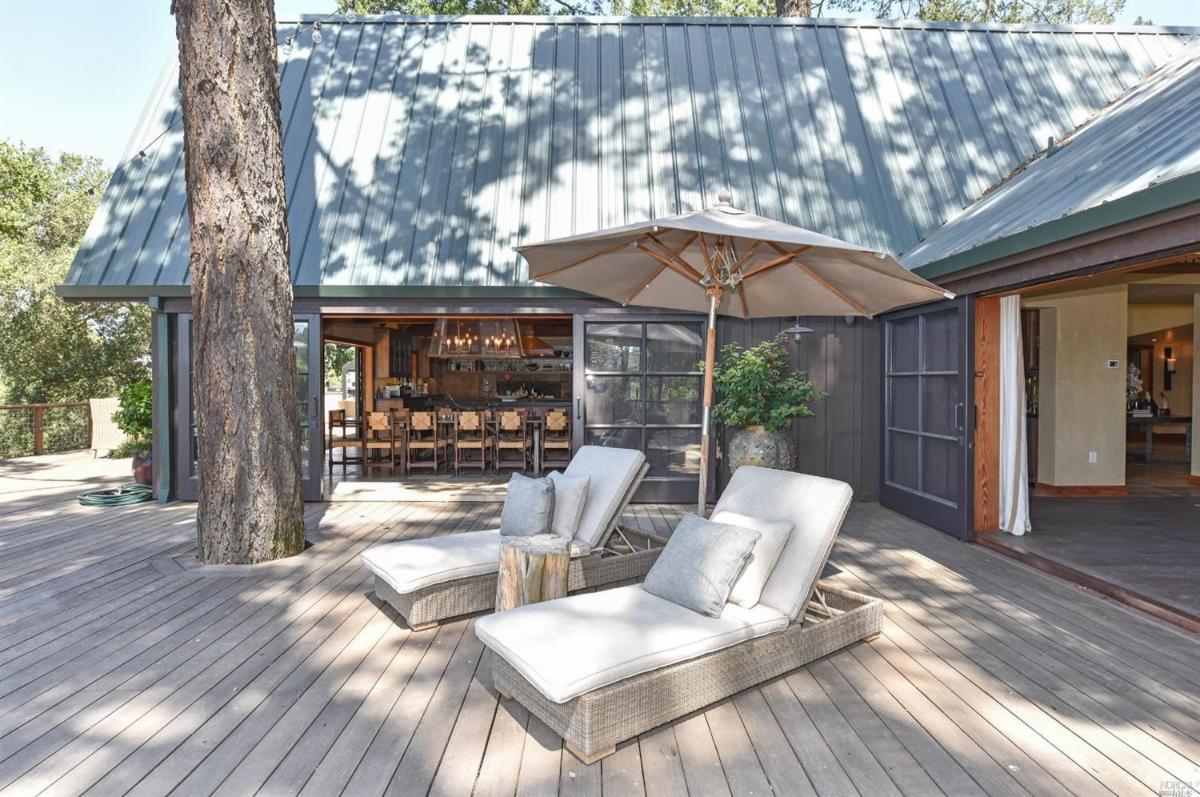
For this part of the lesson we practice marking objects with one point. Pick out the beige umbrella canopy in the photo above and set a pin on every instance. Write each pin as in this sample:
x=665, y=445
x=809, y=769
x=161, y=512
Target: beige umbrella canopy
x=728, y=261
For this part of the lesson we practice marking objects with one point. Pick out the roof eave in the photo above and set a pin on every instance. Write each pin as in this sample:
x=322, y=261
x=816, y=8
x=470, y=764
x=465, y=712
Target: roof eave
x=139, y=293
x=1153, y=199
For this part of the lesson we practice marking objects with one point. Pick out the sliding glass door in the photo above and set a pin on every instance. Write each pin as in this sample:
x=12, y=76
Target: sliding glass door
x=636, y=386
x=306, y=342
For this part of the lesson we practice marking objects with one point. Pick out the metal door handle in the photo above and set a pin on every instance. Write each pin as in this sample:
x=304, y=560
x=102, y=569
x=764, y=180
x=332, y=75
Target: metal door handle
x=958, y=416
x=578, y=407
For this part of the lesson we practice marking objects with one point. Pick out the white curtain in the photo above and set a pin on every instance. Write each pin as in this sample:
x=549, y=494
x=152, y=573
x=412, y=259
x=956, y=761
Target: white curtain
x=1014, y=465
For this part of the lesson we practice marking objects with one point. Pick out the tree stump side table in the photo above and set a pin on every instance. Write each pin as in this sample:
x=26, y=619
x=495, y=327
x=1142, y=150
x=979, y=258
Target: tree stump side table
x=532, y=569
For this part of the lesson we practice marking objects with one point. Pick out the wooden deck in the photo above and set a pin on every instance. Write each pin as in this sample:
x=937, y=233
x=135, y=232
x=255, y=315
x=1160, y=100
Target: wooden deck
x=122, y=669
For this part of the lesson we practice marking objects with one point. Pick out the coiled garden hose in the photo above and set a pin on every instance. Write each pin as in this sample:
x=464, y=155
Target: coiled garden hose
x=122, y=496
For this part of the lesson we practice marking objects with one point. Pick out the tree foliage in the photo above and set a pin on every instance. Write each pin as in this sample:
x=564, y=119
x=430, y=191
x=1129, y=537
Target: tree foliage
x=1060, y=12
x=757, y=386
x=52, y=350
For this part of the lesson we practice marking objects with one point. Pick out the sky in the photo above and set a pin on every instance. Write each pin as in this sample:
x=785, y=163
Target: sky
x=75, y=74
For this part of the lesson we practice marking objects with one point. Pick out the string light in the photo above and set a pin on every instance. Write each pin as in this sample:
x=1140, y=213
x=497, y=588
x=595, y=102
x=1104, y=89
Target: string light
x=316, y=33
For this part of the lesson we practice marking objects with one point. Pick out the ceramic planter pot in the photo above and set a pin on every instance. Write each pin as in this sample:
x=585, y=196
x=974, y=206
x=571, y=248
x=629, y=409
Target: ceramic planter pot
x=143, y=468
x=754, y=445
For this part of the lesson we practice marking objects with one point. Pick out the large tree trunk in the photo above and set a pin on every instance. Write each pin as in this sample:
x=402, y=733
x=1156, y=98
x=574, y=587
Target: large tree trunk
x=244, y=369
x=793, y=8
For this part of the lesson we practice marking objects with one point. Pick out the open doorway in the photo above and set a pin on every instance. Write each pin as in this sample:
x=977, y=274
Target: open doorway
x=1111, y=395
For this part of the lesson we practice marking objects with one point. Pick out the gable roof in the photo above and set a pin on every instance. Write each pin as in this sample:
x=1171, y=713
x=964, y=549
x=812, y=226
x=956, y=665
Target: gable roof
x=419, y=151
x=1137, y=156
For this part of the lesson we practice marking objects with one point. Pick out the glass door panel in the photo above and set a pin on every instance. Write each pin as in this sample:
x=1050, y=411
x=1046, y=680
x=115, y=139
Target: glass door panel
x=640, y=389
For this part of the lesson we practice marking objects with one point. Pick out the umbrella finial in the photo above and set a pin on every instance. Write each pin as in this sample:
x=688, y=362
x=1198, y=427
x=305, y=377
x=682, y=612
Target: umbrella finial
x=725, y=197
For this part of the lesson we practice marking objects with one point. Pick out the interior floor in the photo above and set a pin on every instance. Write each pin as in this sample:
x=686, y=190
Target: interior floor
x=1145, y=548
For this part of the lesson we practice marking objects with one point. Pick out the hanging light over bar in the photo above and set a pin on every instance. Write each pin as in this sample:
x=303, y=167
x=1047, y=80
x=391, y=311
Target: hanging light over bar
x=476, y=338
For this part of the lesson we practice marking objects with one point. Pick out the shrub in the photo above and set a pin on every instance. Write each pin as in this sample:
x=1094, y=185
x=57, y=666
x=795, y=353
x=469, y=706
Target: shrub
x=757, y=386
x=135, y=415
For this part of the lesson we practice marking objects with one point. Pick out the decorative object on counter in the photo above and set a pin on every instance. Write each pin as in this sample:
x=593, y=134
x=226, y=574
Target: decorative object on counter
x=759, y=395
x=1133, y=386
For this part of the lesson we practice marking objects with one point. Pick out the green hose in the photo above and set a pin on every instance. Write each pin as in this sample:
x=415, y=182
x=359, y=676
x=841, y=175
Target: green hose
x=122, y=496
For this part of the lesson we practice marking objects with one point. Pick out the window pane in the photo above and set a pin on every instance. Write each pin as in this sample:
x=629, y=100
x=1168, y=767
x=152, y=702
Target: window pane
x=673, y=452
x=902, y=464
x=614, y=347
x=673, y=399
x=941, y=398
x=673, y=347
x=941, y=342
x=940, y=475
x=613, y=400
x=903, y=343
x=616, y=437
x=902, y=409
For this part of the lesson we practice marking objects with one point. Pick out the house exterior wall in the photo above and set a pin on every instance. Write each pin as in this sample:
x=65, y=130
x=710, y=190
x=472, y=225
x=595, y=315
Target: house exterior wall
x=841, y=440
x=1195, y=393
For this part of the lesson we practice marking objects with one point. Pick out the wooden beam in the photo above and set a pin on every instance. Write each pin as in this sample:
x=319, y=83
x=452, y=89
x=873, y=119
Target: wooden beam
x=987, y=415
x=674, y=254
x=773, y=263
x=827, y=285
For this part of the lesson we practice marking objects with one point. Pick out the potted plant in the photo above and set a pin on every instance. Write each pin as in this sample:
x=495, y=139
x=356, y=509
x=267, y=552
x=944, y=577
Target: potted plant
x=135, y=417
x=758, y=395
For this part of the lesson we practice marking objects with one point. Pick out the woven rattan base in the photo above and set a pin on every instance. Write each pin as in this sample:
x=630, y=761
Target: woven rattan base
x=424, y=607
x=593, y=723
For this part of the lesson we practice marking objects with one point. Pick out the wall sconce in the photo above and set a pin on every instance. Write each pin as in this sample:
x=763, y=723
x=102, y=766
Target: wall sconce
x=1168, y=368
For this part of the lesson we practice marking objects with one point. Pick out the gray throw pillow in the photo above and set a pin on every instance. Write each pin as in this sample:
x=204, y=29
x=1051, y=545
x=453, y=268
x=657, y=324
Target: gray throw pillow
x=700, y=563
x=528, y=507
x=570, y=495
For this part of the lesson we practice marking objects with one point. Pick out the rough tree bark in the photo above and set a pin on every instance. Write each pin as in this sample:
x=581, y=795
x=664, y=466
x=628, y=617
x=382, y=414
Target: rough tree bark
x=793, y=8
x=244, y=370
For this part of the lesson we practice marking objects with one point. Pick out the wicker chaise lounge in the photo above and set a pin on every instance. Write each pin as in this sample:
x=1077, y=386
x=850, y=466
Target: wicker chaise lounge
x=434, y=579
x=604, y=667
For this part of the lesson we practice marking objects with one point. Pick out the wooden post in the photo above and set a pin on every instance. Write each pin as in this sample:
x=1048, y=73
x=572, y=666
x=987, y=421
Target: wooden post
x=532, y=569
x=39, y=429
x=710, y=359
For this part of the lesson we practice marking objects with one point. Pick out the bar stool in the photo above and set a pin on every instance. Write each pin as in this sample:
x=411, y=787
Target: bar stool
x=556, y=441
x=470, y=435
x=346, y=440
x=423, y=439
x=512, y=438
x=381, y=437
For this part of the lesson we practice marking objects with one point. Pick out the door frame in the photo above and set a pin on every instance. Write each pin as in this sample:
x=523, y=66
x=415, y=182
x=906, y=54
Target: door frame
x=186, y=483
x=957, y=520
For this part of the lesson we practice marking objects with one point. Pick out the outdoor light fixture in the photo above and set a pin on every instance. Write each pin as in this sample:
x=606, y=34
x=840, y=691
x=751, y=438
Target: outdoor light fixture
x=797, y=329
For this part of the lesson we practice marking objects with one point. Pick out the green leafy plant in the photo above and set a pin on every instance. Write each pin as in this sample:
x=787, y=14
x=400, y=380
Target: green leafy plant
x=135, y=413
x=757, y=386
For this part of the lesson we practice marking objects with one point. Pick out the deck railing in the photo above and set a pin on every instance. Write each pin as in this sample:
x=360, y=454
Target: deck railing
x=44, y=428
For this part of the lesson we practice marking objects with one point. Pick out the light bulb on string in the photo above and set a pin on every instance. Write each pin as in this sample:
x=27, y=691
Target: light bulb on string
x=316, y=33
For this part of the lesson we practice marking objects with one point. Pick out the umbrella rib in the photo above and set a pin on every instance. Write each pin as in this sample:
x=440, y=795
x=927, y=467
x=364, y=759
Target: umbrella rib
x=674, y=256
x=583, y=260
x=774, y=262
x=827, y=285
x=741, y=292
x=638, y=292
x=688, y=273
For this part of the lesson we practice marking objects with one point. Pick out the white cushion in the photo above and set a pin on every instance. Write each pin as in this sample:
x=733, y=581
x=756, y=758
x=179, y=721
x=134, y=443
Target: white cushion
x=772, y=536
x=815, y=507
x=573, y=645
x=409, y=565
x=570, y=496
x=611, y=472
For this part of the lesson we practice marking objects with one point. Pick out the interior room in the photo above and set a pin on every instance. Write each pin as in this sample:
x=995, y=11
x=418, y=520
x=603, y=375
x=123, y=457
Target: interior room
x=1113, y=461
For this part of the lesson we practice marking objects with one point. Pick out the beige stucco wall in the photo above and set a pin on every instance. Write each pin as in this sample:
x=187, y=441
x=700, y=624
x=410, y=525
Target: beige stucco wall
x=1082, y=400
x=1145, y=318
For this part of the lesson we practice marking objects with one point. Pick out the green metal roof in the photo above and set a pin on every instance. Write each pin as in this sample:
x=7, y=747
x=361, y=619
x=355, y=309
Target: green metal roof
x=1139, y=156
x=419, y=151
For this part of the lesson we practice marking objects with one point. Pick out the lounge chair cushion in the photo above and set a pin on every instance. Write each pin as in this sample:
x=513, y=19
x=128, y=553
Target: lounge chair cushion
x=773, y=535
x=700, y=563
x=573, y=645
x=410, y=565
x=570, y=496
x=815, y=507
x=611, y=472
x=528, y=507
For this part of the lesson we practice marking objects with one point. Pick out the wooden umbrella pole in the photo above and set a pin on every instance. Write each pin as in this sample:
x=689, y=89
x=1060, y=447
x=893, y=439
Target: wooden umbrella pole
x=710, y=358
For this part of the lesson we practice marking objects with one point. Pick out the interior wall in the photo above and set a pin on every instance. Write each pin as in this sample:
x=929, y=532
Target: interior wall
x=1082, y=399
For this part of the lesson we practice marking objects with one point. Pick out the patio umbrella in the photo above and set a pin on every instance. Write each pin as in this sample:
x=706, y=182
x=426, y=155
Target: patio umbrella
x=732, y=262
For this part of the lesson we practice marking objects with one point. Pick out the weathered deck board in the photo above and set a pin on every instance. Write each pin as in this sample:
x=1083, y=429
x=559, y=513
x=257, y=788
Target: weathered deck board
x=123, y=670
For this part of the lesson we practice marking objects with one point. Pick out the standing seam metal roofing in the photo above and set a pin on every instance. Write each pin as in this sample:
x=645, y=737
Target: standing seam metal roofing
x=419, y=151
x=1148, y=138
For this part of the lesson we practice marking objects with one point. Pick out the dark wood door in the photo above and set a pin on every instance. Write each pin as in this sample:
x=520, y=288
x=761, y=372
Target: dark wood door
x=926, y=419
